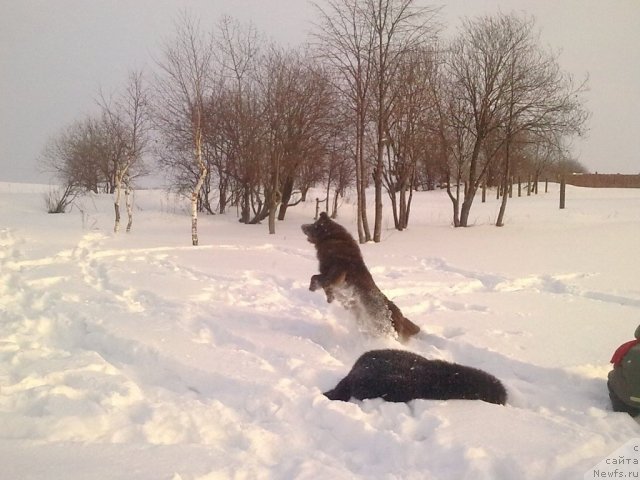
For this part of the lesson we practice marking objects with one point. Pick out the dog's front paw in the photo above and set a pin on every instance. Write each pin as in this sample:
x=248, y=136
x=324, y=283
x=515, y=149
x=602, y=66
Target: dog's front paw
x=315, y=283
x=330, y=295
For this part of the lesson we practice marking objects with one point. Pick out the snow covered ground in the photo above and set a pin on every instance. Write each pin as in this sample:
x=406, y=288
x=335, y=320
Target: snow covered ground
x=137, y=356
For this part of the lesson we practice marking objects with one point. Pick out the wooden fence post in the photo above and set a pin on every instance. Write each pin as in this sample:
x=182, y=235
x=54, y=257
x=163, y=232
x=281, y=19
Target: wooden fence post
x=562, y=192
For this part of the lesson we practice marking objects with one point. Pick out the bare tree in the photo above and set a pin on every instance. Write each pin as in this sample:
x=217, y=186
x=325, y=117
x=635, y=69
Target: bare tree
x=299, y=106
x=339, y=167
x=266, y=122
x=346, y=41
x=125, y=119
x=184, y=83
x=366, y=41
x=57, y=158
x=76, y=156
x=538, y=98
x=501, y=83
x=240, y=116
x=400, y=28
x=242, y=137
x=410, y=120
x=60, y=197
x=452, y=136
x=477, y=57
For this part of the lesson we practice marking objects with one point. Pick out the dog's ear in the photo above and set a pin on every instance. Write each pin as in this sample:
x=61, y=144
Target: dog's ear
x=324, y=216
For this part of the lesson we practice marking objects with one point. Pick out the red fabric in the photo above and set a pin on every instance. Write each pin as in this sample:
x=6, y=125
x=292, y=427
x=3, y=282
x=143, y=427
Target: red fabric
x=622, y=350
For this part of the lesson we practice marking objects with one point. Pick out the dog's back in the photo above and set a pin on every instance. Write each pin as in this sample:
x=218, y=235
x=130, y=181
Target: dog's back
x=400, y=376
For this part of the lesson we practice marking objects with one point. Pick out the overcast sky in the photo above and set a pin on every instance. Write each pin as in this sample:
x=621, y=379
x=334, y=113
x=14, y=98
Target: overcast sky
x=56, y=54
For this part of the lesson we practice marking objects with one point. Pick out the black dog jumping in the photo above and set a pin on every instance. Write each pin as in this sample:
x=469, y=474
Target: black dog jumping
x=344, y=275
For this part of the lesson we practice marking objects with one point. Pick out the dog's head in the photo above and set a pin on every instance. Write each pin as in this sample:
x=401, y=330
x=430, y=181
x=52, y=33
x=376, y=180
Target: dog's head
x=320, y=229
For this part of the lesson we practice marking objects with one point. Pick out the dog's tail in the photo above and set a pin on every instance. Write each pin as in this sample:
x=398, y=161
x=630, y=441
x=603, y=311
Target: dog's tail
x=401, y=324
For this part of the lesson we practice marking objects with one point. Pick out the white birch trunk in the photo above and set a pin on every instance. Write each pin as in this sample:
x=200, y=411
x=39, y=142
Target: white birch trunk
x=116, y=205
x=194, y=207
x=202, y=168
x=194, y=217
x=128, y=195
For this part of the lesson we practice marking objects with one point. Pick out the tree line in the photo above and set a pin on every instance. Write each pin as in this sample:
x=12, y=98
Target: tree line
x=378, y=98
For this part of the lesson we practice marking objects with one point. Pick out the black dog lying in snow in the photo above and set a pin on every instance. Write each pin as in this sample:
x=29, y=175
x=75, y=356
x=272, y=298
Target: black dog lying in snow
x=400, y=376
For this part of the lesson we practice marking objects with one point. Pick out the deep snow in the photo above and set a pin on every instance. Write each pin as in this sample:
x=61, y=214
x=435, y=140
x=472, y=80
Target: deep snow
x=137, y=356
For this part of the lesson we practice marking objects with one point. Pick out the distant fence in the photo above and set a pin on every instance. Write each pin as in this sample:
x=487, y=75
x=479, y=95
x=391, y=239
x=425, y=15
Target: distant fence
x=599, y=180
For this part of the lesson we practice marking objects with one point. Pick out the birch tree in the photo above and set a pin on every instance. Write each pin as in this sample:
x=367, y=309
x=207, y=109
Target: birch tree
x=126, y=121
x=184, y=83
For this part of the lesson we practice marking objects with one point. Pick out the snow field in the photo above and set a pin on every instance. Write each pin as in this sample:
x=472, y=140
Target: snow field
x=137, y=356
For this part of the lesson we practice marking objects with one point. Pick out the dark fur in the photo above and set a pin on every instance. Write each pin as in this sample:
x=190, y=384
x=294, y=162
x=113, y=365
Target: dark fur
x=399, y=376
x=342, y=269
